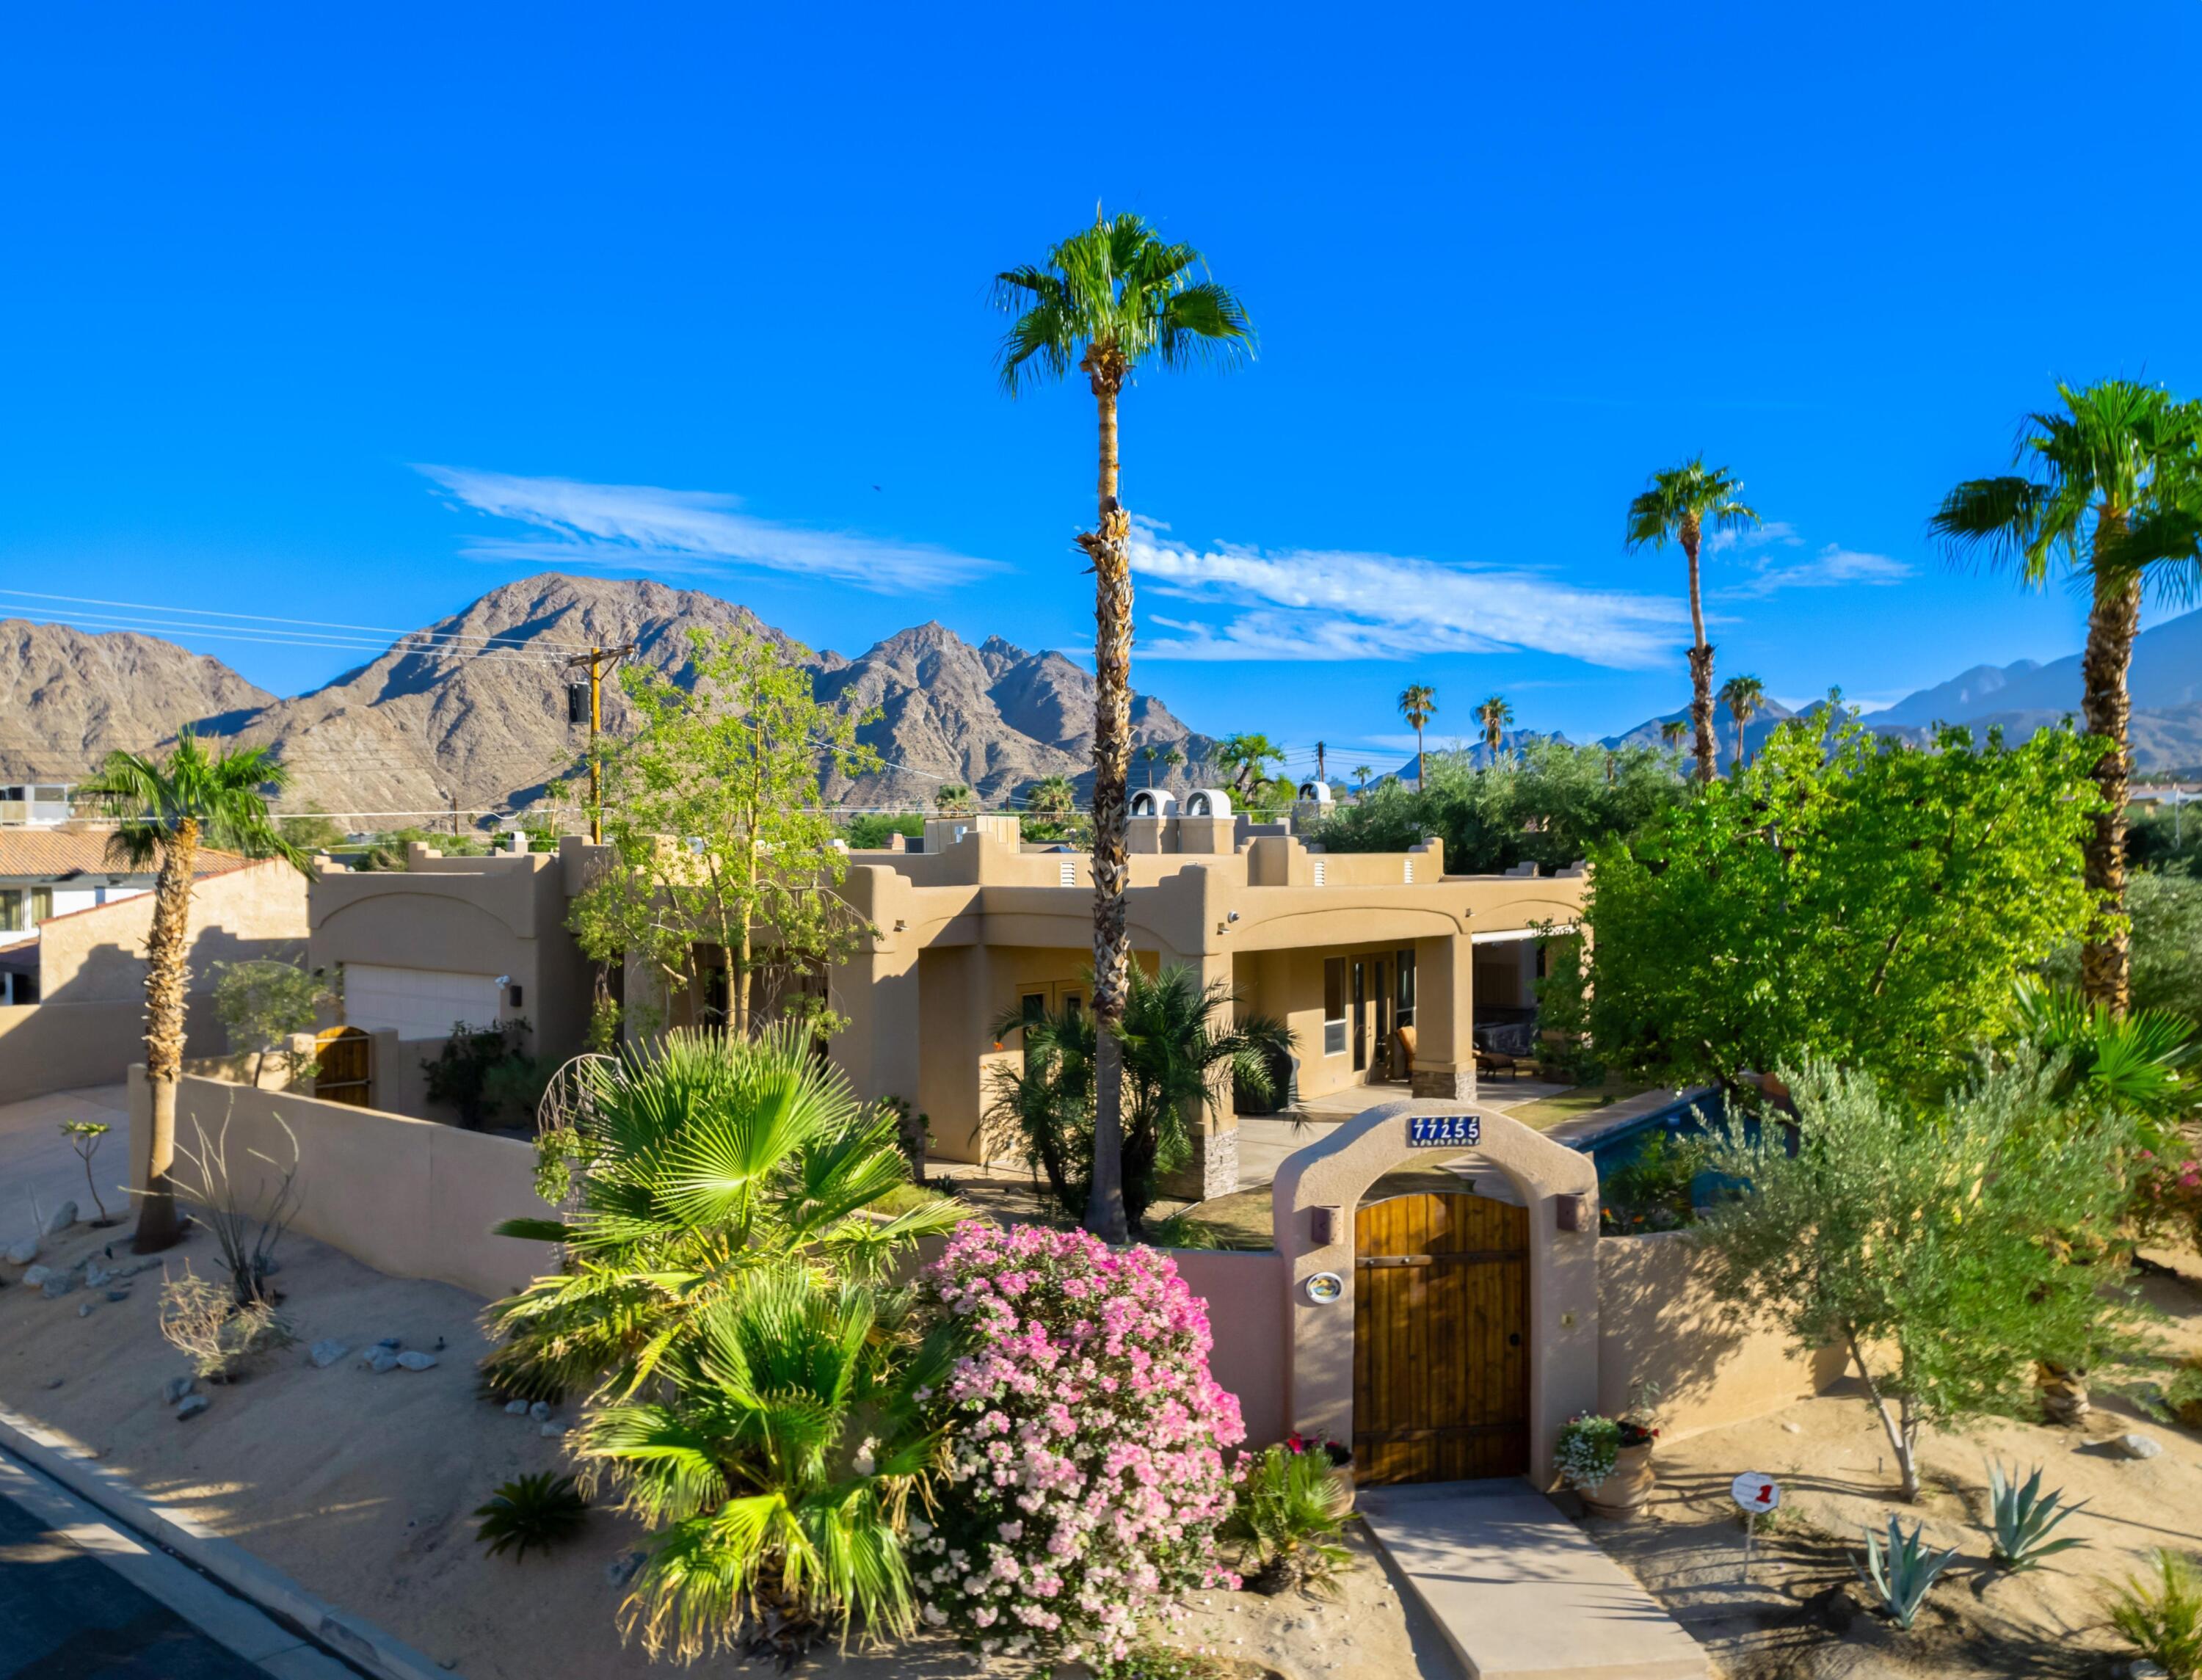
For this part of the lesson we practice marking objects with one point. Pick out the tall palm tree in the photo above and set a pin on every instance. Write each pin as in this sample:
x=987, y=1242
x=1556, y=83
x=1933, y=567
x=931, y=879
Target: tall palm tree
x=1672, y=731
x=1678, y=506
x=1108, y=298
x=1418, y=704
x=1361, y=775
x=1742, y=696
x=2114, y=498
x=1494, y=714
x=1054, y=796
x=1171, y=759
x=1320, y=772
x=165, y=809
x=1151, y=752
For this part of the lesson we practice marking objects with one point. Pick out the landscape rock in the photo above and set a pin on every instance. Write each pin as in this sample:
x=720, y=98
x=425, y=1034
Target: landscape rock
x=413, y=1361
x=382, y=1359
x=176, y=1387
x=516, y=1408
x=552, y=1431
x=118, y=1295
x=391, y=1342
x=22, y=1254
x=36, y=1275
x=326, y=1353
x=59, y=1284
x=57, y=1381
x=540, y=1411
x=97, y=1276
x=193, y=1405
x=2136, y=1446
x=64, y=1216
x=84, y=1311
x=621, y=1569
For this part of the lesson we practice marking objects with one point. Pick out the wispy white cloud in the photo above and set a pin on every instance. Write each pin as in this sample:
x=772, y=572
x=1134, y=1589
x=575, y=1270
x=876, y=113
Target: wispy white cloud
x=1774, y=533
x=1308, y=603
x=1830, y=567
x=682, y=531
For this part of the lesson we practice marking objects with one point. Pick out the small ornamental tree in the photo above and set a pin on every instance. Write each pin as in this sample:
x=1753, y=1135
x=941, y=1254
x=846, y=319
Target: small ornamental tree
x=263, y=1002
x=1087, y=1453
x=1941, y=1247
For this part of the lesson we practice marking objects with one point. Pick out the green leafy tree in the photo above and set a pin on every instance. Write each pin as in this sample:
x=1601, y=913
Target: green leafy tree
x=1678, y=505
x=1742, y=696
x=869, y=831
x=2114, y=498
x=1846, y=898
x=1932, y=1244
x=263, y=1002
x=1183, y=1052
x=1418, y=704
x=164, y=810
x=1494, y=714
x=691, y=1165
x=716, y=841
x=1248, y=758
x=1547, y=803
x=952, y=799
x=1109, y=298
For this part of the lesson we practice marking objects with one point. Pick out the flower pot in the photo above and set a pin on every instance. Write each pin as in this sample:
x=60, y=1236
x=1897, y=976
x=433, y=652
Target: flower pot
x=1622, y=1492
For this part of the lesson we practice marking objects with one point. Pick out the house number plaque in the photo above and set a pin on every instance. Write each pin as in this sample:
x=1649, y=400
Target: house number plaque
x=1444, y=1131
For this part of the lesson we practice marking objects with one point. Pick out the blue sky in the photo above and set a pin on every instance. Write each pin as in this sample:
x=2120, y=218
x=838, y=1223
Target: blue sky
x=702, y=295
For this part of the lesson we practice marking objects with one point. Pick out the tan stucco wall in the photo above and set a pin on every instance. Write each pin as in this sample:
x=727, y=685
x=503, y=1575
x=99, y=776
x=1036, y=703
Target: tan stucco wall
x=99, y=955
x=1660, y=1319
x=61, y=1047
x=1563, y=1331
x=409, y=1198
x=1249, y=1317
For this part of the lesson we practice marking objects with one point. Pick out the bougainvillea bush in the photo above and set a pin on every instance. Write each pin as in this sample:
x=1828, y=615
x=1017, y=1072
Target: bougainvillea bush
x=1087, y=1480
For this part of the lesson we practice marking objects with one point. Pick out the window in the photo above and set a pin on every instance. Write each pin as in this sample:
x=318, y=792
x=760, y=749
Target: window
x=42, y=904
x=1405, y=968
x=11, y=910
x=1333, y=1006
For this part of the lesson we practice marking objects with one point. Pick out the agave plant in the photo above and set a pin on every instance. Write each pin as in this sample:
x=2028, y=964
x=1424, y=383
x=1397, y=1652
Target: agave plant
x=779, y=1466
x=1904, y=1574
x=2022, y=1518
x=698, y=1163
x=539, y=1510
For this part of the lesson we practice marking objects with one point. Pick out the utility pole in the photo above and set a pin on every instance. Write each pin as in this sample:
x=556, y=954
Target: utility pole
x=1319, y=774
x=599, y=660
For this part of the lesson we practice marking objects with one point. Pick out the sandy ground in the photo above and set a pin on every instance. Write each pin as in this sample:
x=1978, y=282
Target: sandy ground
x=361, y=1486
x=1837, y=1478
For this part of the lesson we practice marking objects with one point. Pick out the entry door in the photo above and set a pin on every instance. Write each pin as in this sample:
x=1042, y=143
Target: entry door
x=1440, y=1326
x=1372, y=1014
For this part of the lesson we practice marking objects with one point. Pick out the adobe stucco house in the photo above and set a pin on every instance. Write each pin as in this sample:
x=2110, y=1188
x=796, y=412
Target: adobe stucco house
x=978, y=927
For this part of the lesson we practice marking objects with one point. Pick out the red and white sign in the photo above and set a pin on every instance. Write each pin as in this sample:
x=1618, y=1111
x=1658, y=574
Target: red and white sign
x=1755, y=1492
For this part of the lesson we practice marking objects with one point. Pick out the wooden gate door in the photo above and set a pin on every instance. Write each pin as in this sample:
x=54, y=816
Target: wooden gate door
x=347, y=1068
x=1440, y=1327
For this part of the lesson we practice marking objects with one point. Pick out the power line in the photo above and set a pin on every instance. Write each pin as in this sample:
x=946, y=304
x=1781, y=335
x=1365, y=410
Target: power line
x=308, y=623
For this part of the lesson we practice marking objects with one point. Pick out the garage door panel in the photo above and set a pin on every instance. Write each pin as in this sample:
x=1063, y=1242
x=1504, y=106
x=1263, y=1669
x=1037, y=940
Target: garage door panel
x=417, y=1003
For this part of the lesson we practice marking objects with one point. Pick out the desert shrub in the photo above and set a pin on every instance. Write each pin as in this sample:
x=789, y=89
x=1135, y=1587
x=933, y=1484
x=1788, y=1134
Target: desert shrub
x=221, y=1336
x=84, y=1138
x=1088, y=1457
x=539, y=1510
x=1902, y=1573
x=1290, y=1516
x=460, y=1073
x=870, y=832
x=2159, y=1614
x=513, y=1088
x=247, y=1223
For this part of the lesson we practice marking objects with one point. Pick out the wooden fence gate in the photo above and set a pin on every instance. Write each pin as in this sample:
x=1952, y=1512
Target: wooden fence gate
x=347, y=1075
x=1440, y=1326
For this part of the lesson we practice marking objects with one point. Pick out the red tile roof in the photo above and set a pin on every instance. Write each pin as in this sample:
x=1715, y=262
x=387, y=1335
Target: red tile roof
x=65, y=851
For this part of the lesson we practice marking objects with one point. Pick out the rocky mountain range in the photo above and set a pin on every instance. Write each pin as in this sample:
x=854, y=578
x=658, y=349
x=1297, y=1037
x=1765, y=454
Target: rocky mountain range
x=472, y=709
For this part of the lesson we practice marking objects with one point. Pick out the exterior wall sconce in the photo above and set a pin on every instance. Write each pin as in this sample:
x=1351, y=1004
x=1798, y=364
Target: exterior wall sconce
x=1573, y=1212
x=1324, y=1224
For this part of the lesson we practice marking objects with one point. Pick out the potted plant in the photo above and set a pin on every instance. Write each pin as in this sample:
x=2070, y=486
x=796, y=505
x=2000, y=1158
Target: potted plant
x=1608, y=1460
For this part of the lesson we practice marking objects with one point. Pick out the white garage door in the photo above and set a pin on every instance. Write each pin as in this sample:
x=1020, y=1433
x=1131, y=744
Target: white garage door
x=420, y=1003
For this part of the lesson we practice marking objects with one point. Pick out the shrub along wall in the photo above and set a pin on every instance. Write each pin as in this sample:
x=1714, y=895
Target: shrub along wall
x=1659, y=1320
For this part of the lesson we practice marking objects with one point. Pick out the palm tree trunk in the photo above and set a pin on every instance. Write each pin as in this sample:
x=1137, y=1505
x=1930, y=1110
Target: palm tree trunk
x=1108, y=546
x=1701, y=663
x=165, y=977
x=2112, y=623
x=1420, y=765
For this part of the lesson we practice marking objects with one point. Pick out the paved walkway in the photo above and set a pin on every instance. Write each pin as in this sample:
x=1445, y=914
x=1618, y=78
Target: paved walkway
x=1521, y=1593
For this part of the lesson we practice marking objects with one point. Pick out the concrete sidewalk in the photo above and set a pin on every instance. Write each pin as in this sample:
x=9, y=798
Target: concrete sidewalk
x=1521, y=1593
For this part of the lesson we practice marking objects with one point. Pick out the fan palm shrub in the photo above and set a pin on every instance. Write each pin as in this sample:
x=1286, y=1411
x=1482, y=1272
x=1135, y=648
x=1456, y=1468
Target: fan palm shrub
x=2159, y=1614
x=1290, y=1518
x=1181, y=1051
x=1109, y=298
x=542, y=1510
x=777, y=1466
x=165, y=810
x=692, y=1165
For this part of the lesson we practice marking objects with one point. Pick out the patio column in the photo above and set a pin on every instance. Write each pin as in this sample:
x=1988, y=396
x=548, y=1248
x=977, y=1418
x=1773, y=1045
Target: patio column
x=1445, y=1018
x=1213, y=1170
